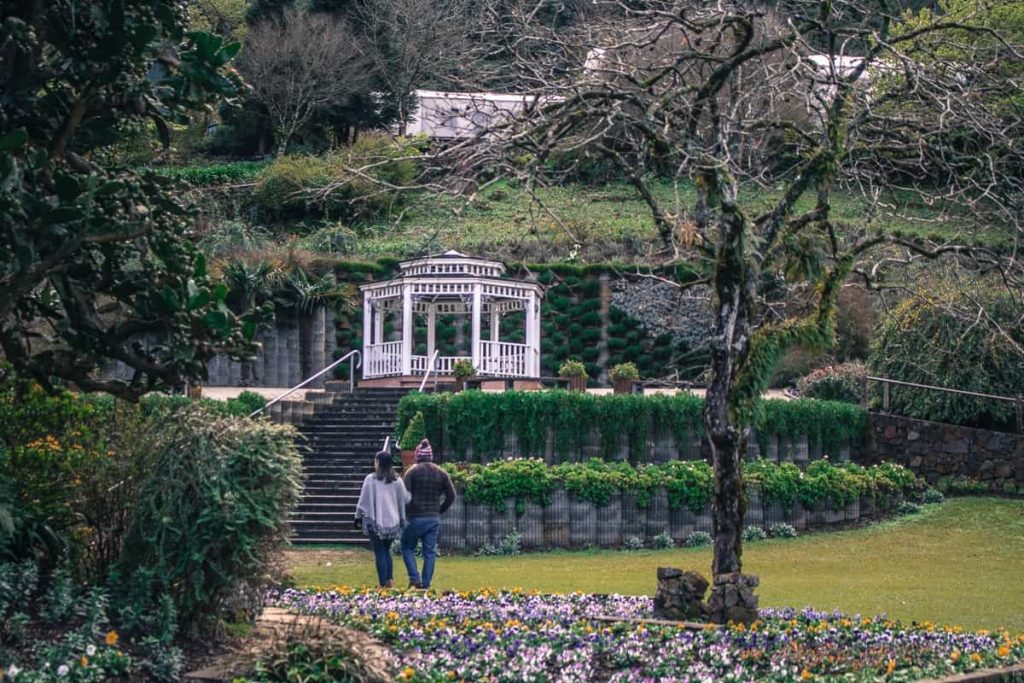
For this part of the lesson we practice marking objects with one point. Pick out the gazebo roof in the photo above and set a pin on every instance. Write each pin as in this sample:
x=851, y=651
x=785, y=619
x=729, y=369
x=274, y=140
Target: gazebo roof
x=451, y=264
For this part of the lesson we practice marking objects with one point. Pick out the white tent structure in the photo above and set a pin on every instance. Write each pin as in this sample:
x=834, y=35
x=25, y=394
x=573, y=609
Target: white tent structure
x=450, y=284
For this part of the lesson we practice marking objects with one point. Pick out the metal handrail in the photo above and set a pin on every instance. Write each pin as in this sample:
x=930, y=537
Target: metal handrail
x=976, y=394
x=1017, y=401
x=430, y=368
x=357, y=363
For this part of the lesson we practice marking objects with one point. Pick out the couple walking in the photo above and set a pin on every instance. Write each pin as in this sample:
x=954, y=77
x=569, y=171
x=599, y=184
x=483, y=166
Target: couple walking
x=390, y=507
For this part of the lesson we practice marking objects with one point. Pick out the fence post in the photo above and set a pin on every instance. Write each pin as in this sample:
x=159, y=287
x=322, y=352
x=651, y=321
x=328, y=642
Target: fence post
x=885, y=397
x=1019, y=404
x=864, y=391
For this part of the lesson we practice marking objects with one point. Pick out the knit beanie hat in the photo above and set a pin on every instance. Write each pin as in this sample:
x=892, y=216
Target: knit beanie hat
x=424, y=453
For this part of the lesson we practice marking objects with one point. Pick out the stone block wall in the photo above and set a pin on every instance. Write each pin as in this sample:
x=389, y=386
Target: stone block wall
x=570, y=522
x=935, y=450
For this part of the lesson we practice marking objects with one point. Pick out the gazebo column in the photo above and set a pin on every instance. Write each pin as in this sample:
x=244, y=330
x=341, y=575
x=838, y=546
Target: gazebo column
x=475, y=348
x=532, y=321
x=407, y=329
x=431, y=331
x=367, y=328
x=378, y=323
x=495, y=323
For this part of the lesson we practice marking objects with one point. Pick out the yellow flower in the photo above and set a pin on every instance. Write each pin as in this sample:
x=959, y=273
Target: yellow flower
x=954, y=656
x=407, y=673
x=1003, y=651
x=975, y=657
x=112, y=638
x=806, y=675
x=84, y=661
x=890, y=666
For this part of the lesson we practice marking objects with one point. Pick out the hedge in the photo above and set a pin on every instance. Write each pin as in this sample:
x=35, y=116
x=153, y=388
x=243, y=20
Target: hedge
x=483, y=420
x=689, y=484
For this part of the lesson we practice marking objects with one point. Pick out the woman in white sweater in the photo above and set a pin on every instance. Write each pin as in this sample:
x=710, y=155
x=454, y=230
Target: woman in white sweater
x=381, y=513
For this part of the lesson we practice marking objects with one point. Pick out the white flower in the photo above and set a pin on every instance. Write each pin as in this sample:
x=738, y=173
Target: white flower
x=62, y=670
x=13, y=671
x=91, y=650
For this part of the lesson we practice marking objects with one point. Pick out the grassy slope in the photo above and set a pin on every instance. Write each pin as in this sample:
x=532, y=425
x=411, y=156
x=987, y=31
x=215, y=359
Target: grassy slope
x=961, y=562
x=607, y=222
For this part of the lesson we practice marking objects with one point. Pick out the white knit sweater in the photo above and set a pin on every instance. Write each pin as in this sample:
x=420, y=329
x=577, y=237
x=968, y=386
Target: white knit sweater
x=381, y=506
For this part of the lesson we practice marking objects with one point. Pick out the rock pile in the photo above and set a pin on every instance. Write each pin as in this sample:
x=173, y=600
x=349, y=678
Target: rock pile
x=733, y=599
x=680, y=595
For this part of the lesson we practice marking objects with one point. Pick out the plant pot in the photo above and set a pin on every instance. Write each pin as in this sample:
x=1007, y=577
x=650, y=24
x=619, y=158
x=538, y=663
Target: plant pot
x=577, y=384
x=408, y=460
x=623, y=386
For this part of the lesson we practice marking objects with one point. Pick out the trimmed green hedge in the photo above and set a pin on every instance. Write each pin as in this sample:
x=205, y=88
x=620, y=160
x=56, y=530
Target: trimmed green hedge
x=483, y=419
x=689, y=484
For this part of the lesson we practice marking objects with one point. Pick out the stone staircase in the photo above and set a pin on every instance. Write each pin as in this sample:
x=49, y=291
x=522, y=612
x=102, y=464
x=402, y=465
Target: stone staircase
x=341, y=432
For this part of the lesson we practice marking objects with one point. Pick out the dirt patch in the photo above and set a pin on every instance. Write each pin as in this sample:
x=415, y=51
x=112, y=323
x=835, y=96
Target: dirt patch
x=323, y=558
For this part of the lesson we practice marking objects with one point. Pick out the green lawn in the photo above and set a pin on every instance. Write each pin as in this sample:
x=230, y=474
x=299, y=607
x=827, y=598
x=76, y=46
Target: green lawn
x=961, y=562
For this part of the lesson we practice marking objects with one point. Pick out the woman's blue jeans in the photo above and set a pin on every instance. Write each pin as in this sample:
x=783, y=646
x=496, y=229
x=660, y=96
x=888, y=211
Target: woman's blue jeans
x=382, y=556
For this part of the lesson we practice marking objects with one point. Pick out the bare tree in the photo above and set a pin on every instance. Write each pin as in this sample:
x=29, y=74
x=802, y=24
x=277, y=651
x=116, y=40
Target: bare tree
x=300, y=63
x=413, y=43
x=731, y=103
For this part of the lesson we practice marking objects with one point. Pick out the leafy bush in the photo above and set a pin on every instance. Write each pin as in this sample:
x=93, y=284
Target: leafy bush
x=961, y=485
x=461, y=369
x=205, y=527
x=782, y=530
x=754, y=533
x=321, y=656
x=843, y=382
x=483, y=419
x=414, y=432
x=907, y=508
x=292, y=186
x=698, y=539
x=633, y=543
x=663, y=541
x=932, y=496
x=572, y=368
x=624, y=371
x=927, y=340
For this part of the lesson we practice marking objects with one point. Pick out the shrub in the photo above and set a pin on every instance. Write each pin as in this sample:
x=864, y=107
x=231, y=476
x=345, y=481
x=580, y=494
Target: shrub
x=413, y=434
x=927, y=340
x=462, y=369
x=782, y=530
x=754, y=533
x=633, y=543
x=214, y=174
x=245, y=404
x=931, y=496
x=907, y=508
x=624, y=371
x=663, y=541
x=322, y=656
x=572, y=368
x=842, y=382
x=206, y=526
x=698, y=539
x=292, y=186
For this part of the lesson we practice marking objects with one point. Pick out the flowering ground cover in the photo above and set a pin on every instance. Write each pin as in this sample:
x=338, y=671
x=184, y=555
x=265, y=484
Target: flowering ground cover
x=532, y=637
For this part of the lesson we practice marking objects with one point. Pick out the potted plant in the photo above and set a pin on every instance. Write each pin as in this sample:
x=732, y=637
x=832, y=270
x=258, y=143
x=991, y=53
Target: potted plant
x=623, y=375
x=577, y=374
x=461, y=370
x=415, y=432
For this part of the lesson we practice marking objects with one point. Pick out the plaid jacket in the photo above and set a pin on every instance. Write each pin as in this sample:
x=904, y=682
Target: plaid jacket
x=431, y=488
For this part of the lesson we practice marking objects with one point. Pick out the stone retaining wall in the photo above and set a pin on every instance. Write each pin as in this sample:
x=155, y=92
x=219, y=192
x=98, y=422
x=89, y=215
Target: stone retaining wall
x=935, y=450
x=568, y=522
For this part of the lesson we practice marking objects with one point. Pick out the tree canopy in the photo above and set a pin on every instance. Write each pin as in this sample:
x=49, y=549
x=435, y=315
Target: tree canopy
x=96, y=260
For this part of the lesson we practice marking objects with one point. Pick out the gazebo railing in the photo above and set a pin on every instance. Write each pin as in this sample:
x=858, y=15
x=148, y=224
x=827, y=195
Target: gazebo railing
x=504, y=359
x=383, y=359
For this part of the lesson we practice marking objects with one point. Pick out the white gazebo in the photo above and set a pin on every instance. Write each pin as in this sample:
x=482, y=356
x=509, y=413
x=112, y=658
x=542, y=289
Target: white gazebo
x=450, y=284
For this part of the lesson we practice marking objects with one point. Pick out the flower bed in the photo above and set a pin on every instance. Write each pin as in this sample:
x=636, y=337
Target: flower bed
x=519, y=636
